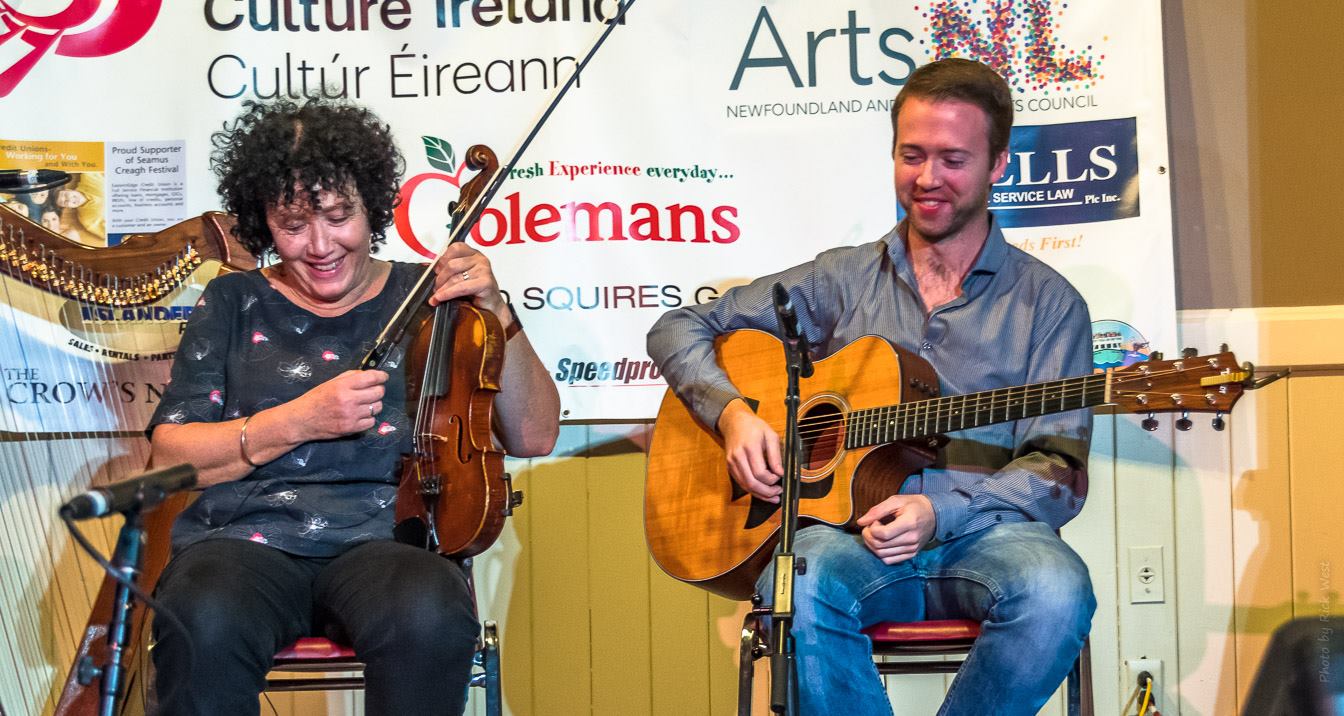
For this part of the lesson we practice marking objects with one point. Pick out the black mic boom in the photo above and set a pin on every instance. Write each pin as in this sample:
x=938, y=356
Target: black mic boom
x=794, y=339
x=788, y=320
x=137, y=493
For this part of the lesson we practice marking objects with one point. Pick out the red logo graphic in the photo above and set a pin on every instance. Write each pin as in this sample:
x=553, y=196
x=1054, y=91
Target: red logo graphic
x=541, y=222
x=439, y=153
x=124, y=25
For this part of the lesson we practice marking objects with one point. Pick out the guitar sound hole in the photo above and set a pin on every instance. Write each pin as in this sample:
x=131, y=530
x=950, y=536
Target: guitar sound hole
x=821, y=431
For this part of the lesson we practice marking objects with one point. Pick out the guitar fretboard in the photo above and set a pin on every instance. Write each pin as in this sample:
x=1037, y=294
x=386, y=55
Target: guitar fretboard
x=923, y=418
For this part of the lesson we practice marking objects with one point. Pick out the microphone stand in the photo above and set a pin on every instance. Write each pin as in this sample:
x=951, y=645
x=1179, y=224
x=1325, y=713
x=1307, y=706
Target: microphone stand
x=783, y=664
x=132, y=498
x=126, y=559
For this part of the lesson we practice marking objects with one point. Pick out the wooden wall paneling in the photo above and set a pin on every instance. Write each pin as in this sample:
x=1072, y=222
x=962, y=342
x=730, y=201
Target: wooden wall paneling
x=680, y=637
x=1261, y=518
x=1145, y=518
x=1316, y=495
x=618, y=570
x=1092, y=535
x=1204, y=584
x=917, y=694
x=313, y=703
x=503, y=577
x=1206, y=484
x=725, y=624
x=561, y=595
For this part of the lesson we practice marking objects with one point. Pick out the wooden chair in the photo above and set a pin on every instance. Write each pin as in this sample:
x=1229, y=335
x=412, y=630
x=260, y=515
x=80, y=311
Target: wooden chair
x=951, y=637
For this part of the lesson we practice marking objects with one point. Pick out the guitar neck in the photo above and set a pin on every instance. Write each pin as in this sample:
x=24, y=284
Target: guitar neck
x=926, y=418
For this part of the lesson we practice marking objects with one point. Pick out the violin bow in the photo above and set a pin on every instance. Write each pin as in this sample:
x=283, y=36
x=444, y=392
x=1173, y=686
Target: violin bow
x=420, y=292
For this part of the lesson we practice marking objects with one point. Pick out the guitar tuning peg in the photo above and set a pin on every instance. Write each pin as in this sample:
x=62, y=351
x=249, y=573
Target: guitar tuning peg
x=1222, y=347
x=1218, y=422
x=1183, y=423
x=1189, y=352
x=1155, y=355
x=1149, y=423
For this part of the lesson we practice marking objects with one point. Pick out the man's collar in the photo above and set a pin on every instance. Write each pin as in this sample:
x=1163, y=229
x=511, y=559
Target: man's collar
x=991, y=258
x=995, y=251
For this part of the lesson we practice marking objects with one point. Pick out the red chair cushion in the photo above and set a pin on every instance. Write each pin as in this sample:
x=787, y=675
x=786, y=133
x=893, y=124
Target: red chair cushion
x=936, y=630
x=313, y=648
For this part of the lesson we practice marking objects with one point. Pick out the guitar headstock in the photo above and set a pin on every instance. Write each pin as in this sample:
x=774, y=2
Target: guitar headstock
x=1191, y=384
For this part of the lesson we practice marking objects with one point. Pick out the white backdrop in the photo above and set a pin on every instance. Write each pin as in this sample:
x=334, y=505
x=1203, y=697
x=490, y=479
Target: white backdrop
x=713, y=141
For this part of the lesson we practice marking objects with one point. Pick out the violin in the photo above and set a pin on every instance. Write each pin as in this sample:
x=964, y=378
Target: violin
x=454, y=494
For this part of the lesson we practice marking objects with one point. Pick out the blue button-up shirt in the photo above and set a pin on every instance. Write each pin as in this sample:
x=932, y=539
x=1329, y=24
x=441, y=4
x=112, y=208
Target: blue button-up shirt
x=1016, y=322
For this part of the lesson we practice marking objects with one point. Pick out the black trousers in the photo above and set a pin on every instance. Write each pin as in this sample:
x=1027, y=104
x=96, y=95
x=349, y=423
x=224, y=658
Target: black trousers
x=406, y=611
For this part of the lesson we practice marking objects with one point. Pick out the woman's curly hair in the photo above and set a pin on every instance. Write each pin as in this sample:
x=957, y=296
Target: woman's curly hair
x=277, y=149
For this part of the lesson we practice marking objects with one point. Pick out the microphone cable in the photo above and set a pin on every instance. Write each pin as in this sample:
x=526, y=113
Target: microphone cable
x=149, y=601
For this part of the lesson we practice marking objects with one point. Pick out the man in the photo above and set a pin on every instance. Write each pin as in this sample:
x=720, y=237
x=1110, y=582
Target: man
x=975, y=536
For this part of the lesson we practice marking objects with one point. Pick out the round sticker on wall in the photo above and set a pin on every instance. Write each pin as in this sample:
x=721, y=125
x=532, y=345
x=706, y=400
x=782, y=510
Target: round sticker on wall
x=1116, y=344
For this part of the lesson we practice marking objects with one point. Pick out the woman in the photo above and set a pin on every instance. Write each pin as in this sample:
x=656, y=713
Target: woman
x=297, y=453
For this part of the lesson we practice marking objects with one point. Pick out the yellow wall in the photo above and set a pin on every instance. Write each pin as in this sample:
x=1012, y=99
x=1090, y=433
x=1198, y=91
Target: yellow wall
x=1253, y=105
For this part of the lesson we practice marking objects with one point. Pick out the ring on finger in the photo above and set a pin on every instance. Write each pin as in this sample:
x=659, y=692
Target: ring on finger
x=370, y=410
x=466, y=276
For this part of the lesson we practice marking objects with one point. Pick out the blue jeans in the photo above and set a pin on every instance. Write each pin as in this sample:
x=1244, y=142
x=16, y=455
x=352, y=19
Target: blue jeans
x=1028, y=589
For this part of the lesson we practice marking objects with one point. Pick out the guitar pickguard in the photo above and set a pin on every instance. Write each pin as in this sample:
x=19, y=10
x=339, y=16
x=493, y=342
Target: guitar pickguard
x=760, y=510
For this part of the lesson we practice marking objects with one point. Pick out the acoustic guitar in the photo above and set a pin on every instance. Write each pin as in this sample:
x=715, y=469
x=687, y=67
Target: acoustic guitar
x=868, y=418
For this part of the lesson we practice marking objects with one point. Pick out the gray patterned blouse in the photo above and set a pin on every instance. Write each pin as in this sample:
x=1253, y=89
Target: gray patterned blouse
x=247, y=348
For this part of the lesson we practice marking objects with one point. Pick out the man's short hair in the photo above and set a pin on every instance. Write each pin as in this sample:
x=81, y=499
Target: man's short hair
x=967, y=81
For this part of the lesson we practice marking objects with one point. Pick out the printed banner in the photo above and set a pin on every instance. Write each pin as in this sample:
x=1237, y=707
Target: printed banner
x=706, y=144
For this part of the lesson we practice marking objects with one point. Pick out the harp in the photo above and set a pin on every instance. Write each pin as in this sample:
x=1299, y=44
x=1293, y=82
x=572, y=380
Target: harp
x=81, y=320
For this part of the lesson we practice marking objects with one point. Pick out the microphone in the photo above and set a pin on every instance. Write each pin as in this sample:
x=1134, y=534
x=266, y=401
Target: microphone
x=137, y=493
x=788, y=320
x=788, y=324
x=28, y=181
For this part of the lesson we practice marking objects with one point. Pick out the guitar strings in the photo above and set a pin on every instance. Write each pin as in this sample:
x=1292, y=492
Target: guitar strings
x=907, y=414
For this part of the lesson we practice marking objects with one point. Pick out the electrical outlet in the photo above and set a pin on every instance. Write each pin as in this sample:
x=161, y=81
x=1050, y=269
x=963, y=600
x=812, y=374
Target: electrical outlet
x=1134, y=667
x=1145, y=575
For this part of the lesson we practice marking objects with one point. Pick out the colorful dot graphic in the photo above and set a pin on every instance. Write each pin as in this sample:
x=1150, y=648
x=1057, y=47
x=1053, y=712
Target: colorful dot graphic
x=1016, y=38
